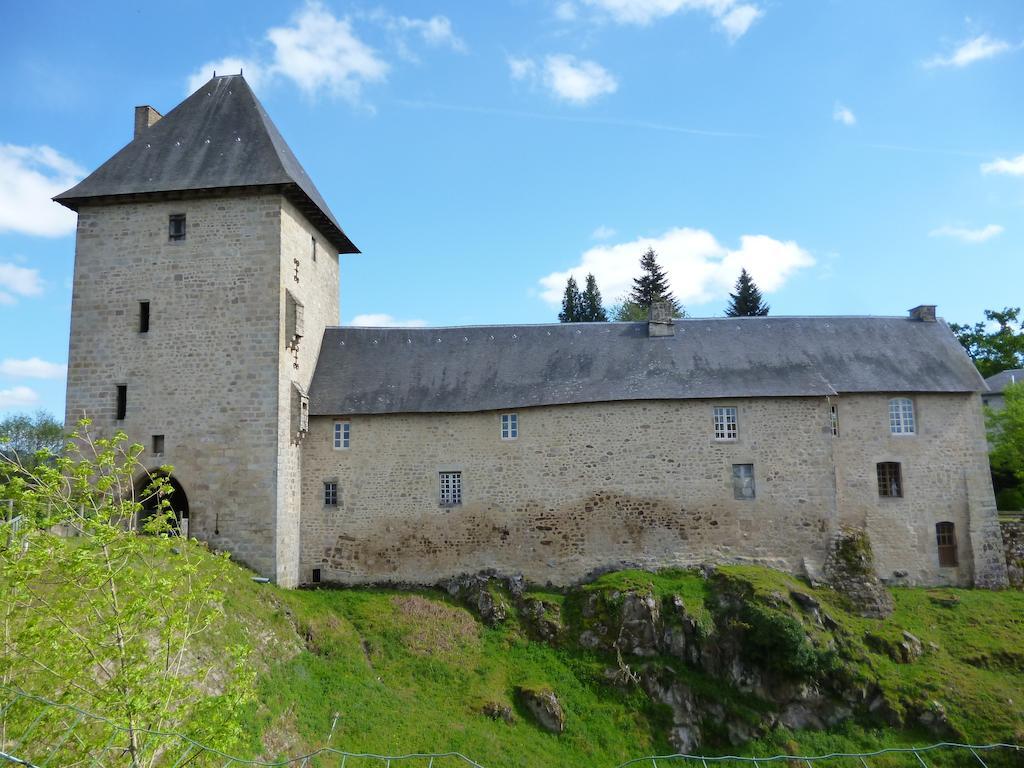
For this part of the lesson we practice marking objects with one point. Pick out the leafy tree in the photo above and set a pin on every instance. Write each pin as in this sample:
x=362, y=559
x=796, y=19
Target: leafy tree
x=747, y=301
x=25, y=436
x=591, y=309
x=1001, y=349
x=107, y=620
x=627, y=311
x=1006, y=433
x=571, y=302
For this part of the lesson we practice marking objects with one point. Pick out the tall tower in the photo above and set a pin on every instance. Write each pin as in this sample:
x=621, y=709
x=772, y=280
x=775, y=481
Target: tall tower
x=206, y=268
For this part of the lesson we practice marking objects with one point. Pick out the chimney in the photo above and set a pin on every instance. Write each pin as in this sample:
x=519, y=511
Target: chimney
x=145, y=116
x=925, y=313
x=659, y=320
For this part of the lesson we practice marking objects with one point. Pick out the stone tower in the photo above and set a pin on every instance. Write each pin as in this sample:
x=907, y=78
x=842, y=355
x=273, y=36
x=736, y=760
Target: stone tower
x=206, y=268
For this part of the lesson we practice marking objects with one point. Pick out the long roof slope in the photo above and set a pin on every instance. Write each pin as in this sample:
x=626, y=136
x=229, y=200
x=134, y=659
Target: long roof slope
x=1000, y=381
x=423, y=370
x=219, y=138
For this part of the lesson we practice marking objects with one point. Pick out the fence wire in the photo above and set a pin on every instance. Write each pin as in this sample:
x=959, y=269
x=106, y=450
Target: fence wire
x=39, y=733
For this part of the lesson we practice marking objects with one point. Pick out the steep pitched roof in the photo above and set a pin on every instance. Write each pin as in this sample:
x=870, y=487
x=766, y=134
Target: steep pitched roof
x=481, y=368
x=1003, y=379
x=220, y=138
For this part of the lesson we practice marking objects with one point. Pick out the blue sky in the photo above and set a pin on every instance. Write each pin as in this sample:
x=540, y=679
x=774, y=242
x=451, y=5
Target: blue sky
x=855, y=157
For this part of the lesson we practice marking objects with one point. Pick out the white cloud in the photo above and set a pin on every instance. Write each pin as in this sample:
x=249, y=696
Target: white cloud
x=386, y=321
x=565, y=11
x=436, y=31
x=321, y=52
x=17, y=397
x=29, y=177
x=602, y=233
x=843, y=114
x=18, y=281
x=255, y=73
x=733, y=17
x=1013, y=166
x=699, y=268
x=976, y=49
x=33, y=368
x=566, y=77
x=968, y=235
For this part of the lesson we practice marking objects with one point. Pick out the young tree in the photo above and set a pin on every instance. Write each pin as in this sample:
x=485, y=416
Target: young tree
x=591, y=310
x=108, y=620
x=1001, y=349
x=1006, y=433
x=24, y=436
x=571, y=301
x=747, y=301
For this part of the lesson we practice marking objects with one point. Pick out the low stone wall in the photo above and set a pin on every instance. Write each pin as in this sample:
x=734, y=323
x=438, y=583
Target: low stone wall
x=1013, y=547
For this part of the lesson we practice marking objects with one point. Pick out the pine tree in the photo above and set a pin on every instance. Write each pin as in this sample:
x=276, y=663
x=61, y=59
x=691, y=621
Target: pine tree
x=571, y=303
x=650, y=287
x=591, y=310
x=747, y=301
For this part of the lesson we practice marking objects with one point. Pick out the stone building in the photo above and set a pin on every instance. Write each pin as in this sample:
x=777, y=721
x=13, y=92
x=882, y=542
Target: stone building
x=997, y=384
x=205, y=324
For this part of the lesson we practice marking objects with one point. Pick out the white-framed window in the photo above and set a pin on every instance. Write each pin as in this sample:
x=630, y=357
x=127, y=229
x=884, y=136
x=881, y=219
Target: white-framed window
x=833, y=415
x=725, y=422
x=509, y=426
x=342, y=431
x=330, y=493
x=743, y=481
x=450, y=488
x=901, y=416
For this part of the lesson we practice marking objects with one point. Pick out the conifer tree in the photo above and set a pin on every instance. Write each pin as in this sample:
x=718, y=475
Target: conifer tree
x=571, y=302
x=650, y=287
x=591, y=310
x=747, y=301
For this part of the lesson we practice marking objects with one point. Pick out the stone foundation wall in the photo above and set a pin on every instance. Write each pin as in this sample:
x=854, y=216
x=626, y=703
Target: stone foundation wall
x=1013, y=550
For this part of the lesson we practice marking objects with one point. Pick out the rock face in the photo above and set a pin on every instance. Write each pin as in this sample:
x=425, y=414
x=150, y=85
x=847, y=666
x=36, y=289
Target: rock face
x=850, y=569
x=544, y=708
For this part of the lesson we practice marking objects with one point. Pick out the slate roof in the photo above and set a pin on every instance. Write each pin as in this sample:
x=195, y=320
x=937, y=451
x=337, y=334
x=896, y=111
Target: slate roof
x=999, y=381
x=220, y=138
x=482, y=368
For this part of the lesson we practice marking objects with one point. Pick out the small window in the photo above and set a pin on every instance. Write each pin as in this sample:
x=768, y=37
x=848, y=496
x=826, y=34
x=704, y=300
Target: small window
x=176, y=227
x=945, y=536
x=312, y=241
x=342, y=429
x=143, y=317
x=122, y=402
x=509, y=426
x=890, y=481
x=330, y=494
x=901, y=416
x=743, y=481
x=316, y=575
x=158, y=445
x=725, y=423
x=451, y=488
x=833, y=412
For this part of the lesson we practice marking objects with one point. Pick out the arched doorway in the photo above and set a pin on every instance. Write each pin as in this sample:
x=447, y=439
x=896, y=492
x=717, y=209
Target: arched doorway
x=177, y=499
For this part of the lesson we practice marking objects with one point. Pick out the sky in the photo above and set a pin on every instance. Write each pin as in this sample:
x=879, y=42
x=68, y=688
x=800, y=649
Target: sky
x=856, y=157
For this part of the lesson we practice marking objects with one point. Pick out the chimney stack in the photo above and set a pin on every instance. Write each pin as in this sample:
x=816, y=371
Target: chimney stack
x=925, y=313
x=659, y=320
x=145, y=116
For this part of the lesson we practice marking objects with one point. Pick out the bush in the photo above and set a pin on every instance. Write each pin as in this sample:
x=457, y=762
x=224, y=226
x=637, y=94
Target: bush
x=1010, y=500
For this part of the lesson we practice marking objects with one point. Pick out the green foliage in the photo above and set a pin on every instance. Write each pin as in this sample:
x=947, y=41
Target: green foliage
x=1001, y=349
x=591, y=309
x=747, y=301
x=28, y=439
x=571, y=302
x=652, y=286
x=1010, y=500
x=107, y=618
x=1006, y=433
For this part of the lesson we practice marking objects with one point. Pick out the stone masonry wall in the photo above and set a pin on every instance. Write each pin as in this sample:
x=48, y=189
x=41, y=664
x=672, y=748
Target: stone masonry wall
x=314, y=283
x=596, y=486
x=206, y=374
x=1013, y=551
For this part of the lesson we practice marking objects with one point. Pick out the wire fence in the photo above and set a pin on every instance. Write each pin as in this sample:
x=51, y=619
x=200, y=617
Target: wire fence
x=36, y=732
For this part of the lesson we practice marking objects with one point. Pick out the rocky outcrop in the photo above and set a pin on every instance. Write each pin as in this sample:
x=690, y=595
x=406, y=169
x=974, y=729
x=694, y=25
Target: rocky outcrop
x=543, y=706
x=850, y=569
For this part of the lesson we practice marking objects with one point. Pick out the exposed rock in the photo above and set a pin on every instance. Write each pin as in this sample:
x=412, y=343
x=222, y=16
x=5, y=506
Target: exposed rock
x=911, y=648
x=638, y=630
x=934, y=718
x=544, y=708
x=882, y=708
x=904, y=651
x=685, y=734
x=796, y=716
x=478, y=592
x=542, y=619
x=850, y=569
x=497, y=711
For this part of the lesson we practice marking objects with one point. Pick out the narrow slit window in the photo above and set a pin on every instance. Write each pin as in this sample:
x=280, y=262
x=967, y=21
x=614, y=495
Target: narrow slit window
x=725, y=423
x=316, y=575
x=945, y=537
x=143, y=317
x=330, y=494
x=312, y=246
x=890, y=479
x=158, y=445
x=834, y=419
x=122, y=402
x=901, y=416
x=342, y=432
x=451, y=488
x=509, y=426
x=176, y=227
x=743, y=481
